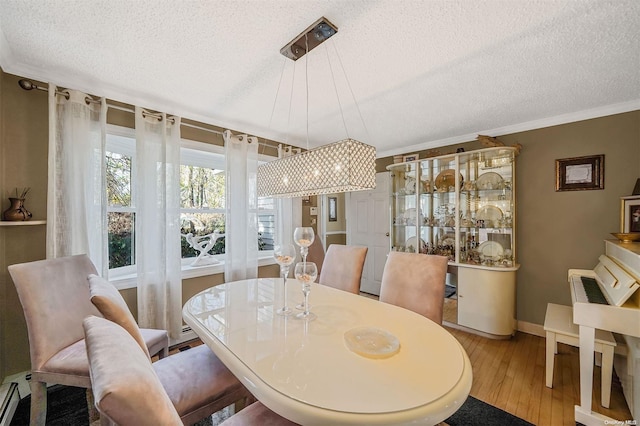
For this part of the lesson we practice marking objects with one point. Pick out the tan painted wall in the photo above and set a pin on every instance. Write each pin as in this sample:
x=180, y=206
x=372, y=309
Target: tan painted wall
x=23, y=163
x=561, y=230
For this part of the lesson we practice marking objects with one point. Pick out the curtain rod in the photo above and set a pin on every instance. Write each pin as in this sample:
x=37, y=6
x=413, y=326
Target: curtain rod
x=158, y=116
x=29, y=85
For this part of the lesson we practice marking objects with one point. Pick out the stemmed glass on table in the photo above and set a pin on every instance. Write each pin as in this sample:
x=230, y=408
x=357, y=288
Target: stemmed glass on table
x=306, y=273
x=284, y=255
x=303, y=237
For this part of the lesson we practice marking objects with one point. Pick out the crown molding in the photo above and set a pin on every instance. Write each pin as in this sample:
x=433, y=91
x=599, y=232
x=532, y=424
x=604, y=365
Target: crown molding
x=572, y=117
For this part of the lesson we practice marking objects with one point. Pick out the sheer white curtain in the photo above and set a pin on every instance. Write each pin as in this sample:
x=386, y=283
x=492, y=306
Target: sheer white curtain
x=76, y=196
x=241, y=229
x=158, y=222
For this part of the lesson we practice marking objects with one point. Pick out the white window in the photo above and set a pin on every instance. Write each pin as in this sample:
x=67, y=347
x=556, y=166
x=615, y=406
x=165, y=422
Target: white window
x=202, y=203
x=202, y=196
x=121, y=212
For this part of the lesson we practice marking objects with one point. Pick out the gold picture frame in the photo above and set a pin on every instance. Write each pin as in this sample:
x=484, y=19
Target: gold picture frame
x=580, y=173
x=630, y=214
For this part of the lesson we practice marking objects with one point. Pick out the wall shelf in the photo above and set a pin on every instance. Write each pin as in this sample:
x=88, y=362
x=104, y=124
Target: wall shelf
x=22, y=222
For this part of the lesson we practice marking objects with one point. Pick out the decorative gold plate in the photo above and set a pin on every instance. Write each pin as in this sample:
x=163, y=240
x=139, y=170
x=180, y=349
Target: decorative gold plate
x=627, y=237
x=446, y=179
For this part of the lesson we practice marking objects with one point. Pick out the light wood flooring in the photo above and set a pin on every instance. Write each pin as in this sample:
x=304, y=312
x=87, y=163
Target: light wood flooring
x=509, y=374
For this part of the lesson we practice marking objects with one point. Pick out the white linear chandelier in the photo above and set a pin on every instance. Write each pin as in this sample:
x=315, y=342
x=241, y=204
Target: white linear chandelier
x=343, y=166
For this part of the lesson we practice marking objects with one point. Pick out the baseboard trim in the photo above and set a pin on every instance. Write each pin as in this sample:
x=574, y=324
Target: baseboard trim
x=22, y=380
x=531, y=328
x=186, y=335
x=9, y=399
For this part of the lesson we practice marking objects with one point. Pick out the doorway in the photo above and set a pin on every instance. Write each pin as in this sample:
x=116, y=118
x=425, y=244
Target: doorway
x=368, y=225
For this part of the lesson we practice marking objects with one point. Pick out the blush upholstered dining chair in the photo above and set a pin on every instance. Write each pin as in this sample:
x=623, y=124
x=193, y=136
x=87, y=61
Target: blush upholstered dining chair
x=342, y=267
x=128, y=389
x=316, y=254
x=416, y=282
x=54, y=294
x=196, y=381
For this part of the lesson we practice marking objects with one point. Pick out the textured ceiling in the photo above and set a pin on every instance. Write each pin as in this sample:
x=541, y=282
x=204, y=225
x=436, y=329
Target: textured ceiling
x=423, y=73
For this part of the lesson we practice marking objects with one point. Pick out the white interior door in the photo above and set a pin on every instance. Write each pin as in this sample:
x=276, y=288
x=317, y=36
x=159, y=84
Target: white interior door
x=368, y=225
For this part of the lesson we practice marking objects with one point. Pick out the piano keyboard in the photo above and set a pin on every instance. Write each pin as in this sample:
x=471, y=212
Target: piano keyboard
x=592, y=291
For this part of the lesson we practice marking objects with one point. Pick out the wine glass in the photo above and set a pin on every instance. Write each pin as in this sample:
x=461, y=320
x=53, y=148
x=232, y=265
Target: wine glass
x=306, y=273
x=284, y=255
x=304, y=237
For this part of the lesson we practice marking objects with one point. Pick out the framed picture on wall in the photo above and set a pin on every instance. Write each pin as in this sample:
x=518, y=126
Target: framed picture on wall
x=630, y=214
x=333, y=209
x=580, y=173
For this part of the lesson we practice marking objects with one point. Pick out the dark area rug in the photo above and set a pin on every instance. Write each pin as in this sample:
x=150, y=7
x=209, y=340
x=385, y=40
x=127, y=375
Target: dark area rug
x=66, y=406
x=449, y=290
x=477, y=413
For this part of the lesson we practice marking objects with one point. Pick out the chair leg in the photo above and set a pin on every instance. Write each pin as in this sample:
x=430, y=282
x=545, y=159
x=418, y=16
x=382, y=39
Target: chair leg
x=551, y=350
x=163, y=353
x=38, y=403
x=243, y=403
x=94, y=414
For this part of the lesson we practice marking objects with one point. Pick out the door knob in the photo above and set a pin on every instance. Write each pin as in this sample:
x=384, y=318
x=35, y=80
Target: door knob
x=387, y=234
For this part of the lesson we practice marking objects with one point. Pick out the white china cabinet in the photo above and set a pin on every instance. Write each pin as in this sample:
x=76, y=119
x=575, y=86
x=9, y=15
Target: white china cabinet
x=463, y=206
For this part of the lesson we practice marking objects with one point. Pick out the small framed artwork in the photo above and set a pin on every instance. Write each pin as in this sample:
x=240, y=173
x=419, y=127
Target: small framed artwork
x=409, y=157
x=333, y=209
x=580, y=173
x=630, y=214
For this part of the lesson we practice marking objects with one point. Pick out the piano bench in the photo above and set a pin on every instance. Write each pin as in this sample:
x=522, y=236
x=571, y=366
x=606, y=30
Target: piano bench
x=559, y=328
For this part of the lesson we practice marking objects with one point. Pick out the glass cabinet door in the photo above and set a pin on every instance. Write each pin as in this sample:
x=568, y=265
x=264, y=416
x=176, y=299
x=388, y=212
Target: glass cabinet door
x=439, y=175
x=404, y=212
x=486, y=208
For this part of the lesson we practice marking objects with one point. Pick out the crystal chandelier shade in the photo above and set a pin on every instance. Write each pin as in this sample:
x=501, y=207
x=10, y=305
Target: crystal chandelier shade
x=344, y=166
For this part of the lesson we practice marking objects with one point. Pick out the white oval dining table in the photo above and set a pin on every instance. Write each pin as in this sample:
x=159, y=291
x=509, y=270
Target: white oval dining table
x=304, y=370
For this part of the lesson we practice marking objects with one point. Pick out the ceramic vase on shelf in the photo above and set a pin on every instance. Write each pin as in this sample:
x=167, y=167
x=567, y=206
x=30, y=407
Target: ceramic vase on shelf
x=17, y=211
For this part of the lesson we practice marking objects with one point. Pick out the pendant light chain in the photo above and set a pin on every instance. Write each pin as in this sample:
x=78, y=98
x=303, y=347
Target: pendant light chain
x=335, y=88
x=273, y=108
x=306, y=81
x=351, y=91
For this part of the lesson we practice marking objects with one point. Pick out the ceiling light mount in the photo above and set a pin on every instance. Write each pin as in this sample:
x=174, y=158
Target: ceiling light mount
x=313, y=36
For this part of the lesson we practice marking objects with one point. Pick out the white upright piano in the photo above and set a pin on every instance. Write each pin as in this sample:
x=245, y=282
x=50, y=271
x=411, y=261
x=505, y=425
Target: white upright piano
x=605, y=298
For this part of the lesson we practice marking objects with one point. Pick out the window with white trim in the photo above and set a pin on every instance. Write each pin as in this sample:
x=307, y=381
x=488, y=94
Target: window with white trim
x=121, y=212
x=202, y=196
x=202, y=200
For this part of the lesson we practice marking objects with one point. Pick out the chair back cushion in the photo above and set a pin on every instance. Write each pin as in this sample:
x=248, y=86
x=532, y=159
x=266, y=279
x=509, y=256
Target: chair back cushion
x=316, y=254
x=342, y=267
x=125, y=386
x=112, y=306
x=55, y=299
x=416, y=282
